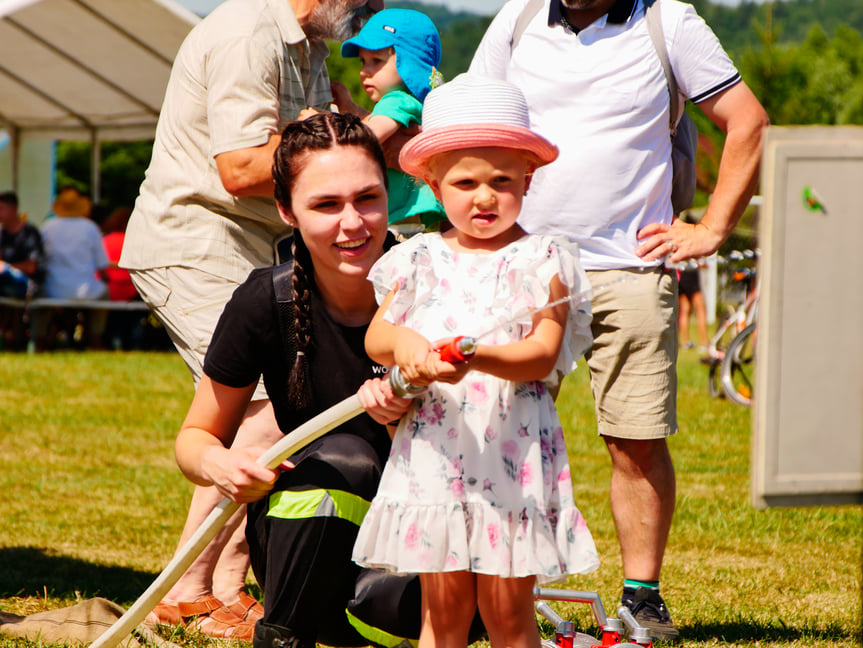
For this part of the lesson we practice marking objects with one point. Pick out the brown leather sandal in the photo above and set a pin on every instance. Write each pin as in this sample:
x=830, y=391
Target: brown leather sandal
x=247, y=608
x=208, y=615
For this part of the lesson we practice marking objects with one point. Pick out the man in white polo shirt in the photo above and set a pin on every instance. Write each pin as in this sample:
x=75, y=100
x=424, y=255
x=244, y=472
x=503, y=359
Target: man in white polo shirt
x=206, y=217
x=596, y=88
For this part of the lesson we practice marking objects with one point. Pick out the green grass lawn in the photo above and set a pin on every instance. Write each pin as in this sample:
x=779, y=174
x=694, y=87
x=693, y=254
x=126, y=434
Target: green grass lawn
x=93, y=505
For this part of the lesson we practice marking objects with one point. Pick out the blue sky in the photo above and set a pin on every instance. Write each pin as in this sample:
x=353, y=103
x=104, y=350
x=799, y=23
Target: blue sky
x=479, y=6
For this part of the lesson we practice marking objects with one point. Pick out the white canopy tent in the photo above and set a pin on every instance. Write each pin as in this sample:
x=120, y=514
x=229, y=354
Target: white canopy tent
x=86, y=69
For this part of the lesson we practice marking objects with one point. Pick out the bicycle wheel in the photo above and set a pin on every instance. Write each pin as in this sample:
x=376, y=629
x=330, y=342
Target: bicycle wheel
x=714, y=381
x=726, y=332
x=738, y=367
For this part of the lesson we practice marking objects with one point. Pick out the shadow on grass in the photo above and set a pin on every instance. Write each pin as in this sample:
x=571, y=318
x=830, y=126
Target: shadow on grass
x=30, y=571
x=749, y=631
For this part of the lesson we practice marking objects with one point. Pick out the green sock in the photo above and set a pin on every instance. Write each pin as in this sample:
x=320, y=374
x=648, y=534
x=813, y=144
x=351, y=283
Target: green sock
x=630, y=583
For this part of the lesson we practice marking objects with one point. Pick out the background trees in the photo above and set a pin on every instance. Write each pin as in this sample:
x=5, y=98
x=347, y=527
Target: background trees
x=802, y=58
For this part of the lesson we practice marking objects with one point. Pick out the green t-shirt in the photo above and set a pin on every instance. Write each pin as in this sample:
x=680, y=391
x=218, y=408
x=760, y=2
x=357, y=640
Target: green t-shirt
x=408, y=196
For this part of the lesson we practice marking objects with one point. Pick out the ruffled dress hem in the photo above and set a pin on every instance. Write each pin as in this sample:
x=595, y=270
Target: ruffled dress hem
x=466, y=536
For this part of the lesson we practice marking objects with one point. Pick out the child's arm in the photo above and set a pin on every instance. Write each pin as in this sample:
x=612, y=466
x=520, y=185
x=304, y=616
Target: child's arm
x=382, y=126
x=534, y=357
x=530, y=359
x=390, y=345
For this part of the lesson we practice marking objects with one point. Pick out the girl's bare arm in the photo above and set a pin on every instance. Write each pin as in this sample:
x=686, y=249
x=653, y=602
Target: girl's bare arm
x=391, y=345
x=534, y=357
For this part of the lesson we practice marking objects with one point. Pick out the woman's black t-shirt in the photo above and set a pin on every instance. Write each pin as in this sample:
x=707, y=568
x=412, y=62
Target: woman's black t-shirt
x=247, y=342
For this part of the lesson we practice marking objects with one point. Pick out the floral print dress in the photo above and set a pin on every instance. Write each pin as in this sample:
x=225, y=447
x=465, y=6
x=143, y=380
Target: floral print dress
x=478, y=477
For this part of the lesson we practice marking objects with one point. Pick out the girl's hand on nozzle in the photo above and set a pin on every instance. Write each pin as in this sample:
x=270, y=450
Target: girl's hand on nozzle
x=377, y=398
x=444, y=368
x=237, y=475
x=411, y=352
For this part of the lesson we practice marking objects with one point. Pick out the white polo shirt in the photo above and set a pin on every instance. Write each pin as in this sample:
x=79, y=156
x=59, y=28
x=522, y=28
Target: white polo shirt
x=240, y=76
x=601, y=97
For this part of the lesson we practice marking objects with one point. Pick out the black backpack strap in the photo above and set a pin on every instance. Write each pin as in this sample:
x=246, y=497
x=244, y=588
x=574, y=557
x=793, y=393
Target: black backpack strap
x=282, y=277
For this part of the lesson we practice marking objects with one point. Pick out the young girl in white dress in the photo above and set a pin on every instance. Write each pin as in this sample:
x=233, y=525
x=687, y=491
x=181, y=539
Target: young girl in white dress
x=476, y=496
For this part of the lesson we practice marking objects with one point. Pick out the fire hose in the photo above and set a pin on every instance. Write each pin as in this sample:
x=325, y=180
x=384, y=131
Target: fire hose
x=459, y=350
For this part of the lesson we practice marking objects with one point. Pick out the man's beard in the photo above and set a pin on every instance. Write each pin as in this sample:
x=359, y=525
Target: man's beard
x=331, y=21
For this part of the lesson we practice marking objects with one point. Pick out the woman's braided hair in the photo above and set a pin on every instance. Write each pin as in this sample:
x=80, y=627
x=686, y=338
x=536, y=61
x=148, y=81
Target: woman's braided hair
x=320, y=132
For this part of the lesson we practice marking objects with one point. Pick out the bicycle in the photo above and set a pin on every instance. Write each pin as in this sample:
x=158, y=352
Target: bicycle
x=736, y=321
x=737, y=373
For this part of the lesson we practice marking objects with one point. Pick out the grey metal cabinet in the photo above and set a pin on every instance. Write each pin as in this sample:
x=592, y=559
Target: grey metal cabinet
x=808, y=401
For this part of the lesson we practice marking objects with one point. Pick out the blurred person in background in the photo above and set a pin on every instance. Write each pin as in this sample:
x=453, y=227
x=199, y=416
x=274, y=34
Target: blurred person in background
x=123, y=329
x=22, y=259
x=75, y=264
x=691, y=299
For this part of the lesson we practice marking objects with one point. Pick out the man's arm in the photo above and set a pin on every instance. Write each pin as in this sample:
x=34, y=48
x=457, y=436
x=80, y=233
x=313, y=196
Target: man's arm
x=28, y=266
x=740, y=115
x=742, y=118
x=342, y=98
x=394, y=143
x=248, y=171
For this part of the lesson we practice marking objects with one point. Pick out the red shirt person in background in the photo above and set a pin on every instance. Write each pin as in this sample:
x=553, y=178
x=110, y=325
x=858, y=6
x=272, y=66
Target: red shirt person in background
x=120, y=287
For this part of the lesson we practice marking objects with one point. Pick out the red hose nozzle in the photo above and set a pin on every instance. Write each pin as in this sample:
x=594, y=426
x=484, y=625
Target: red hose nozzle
x=461, y=349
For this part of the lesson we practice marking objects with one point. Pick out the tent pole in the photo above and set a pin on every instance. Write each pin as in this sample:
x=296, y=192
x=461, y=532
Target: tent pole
x=15, y=154
x=95, y=163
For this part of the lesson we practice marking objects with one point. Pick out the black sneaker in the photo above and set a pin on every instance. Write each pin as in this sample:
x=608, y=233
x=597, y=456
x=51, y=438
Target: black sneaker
x=649, y=610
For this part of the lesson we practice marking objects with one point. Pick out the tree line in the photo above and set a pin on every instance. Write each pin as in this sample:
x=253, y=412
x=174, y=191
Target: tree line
x=802, y=58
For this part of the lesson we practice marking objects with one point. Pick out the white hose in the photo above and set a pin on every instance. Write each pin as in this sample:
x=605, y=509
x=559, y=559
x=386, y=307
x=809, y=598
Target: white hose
x=281, y=450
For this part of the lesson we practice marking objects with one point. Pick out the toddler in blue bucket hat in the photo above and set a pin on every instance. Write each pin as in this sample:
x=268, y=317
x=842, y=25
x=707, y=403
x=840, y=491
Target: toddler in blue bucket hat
x=400, y=51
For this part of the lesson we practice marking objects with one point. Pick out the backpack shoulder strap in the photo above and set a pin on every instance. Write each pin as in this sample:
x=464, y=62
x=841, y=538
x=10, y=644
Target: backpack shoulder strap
x=530, y=10
x=282, y=277
x=283, y=274
x=653, y=16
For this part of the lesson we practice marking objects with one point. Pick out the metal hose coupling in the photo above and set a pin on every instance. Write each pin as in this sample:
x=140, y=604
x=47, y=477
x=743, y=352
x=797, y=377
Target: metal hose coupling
x=401, y=387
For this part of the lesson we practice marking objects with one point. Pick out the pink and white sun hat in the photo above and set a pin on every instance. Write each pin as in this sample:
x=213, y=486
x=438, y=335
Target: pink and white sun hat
x=474, y=112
